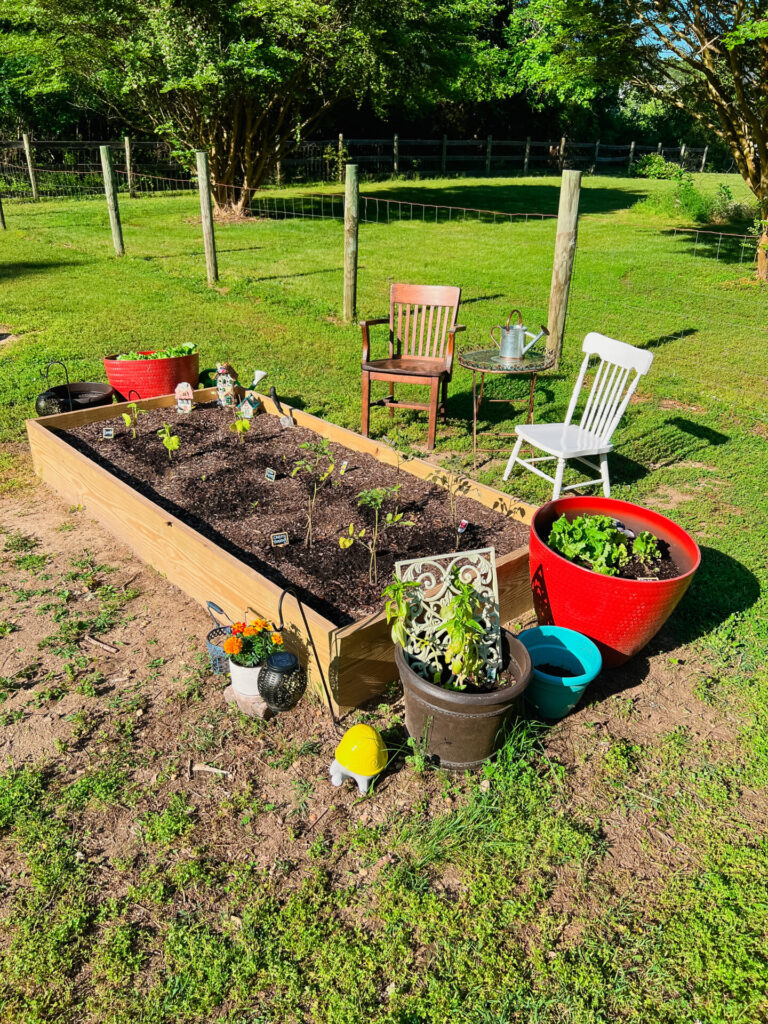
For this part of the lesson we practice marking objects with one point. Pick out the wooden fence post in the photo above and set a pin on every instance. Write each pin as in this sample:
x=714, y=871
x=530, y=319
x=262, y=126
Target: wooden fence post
x=660, y=150
x=444, y=156
x=631, y=159
x=2, y=215
x=351, y=201
x=527, y=157
x=597, y=153
x=110, y=191
x=562, y=267
x=561, y=153
x=682, y=155
x=488, y=146
x=206, y=209
x=341, y=158
x=129, y=166
x=704, y=159
x=30, y=168
x=395, y=155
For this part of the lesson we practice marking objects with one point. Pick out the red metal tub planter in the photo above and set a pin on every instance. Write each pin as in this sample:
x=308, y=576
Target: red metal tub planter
x=616, y=584
x=139, y=375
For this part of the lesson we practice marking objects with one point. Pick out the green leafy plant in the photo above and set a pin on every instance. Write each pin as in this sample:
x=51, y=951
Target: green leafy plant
x=241, y=426
x=375, y=499
x=462, y=616
x=595, y=540
x=130, y=418
x=462, y=622
x=171, y=441
x=645, y=548
x=598, y=542
x=318, y=466
x=187, y=348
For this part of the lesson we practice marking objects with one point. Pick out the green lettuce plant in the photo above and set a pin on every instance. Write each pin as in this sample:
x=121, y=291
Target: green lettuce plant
x=598, y=542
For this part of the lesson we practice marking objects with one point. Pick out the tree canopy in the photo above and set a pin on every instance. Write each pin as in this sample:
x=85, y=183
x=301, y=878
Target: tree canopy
x=708, y=59
x=247, y=80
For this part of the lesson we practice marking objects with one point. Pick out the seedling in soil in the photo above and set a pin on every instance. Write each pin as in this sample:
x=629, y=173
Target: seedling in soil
x=451, y=477
x=130, y=418
x=171, y=441
x=241, y=426
x=375, y=498
x=318, y=467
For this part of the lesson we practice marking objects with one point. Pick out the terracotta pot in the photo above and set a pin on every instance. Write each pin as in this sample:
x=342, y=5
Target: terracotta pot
x=134, y=379
x=245, y=679
x=620, y=616
x=462, y=729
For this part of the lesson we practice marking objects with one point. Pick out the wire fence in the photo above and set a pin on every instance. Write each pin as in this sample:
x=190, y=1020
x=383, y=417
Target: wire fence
x=377, y=210
x=72, y=168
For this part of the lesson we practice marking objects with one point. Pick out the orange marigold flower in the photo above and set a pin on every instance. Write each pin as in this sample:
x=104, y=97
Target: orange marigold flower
x=276, y=639
x=252, y=630
x=238, y=627
x=260, y=624
x=233, y=645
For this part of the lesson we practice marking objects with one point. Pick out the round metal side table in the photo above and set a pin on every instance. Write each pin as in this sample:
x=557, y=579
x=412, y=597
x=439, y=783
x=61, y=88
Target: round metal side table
x=487, y=360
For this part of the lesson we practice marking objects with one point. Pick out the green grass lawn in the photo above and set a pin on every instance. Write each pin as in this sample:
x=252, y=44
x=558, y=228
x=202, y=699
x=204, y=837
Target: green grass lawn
x=686, y=945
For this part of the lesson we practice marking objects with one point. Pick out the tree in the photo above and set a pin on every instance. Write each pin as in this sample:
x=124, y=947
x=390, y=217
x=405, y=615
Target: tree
x=708, y=59
x=247, y=80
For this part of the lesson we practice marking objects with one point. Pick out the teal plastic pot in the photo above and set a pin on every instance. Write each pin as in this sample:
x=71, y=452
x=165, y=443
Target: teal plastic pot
x=554, y=696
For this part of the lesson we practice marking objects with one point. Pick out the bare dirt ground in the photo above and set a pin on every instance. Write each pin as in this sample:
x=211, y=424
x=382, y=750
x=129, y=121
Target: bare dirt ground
x=153, y=684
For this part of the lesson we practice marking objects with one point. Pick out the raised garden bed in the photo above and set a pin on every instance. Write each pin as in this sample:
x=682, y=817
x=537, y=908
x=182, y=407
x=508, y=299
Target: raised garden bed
x=194, y=519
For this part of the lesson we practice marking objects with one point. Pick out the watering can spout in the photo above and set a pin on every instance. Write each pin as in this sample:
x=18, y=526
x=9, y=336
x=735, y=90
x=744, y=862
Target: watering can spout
x=543, y=332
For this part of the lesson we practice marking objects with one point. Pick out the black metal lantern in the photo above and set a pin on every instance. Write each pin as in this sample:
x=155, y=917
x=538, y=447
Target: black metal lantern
x=282, y=681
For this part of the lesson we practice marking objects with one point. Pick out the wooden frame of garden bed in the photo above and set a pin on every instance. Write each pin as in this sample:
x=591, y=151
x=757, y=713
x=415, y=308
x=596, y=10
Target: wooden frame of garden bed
x=358, y=659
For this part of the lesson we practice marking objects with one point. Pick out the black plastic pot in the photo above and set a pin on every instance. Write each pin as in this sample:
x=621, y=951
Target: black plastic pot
x=68, y=397
x=462, y=729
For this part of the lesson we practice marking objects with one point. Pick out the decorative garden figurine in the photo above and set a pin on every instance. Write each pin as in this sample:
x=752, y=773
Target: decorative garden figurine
x=360, y=755
x=251, y=404
x=184, y=396
x=226, y=382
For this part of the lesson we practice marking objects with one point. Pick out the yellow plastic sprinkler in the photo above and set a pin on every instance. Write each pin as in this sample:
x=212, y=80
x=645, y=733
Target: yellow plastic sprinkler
x=360, y=755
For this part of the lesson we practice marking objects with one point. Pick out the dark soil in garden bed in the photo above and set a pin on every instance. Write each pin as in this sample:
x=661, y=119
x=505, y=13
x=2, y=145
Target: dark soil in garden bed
x=217, y=485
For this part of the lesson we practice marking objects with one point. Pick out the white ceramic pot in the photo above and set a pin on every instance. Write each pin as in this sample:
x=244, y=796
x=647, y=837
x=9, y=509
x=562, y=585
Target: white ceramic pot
x=245, y=679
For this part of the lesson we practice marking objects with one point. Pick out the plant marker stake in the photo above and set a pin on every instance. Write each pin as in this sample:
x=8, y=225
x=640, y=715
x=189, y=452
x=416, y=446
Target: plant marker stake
x=279, y=540
x=270, y=474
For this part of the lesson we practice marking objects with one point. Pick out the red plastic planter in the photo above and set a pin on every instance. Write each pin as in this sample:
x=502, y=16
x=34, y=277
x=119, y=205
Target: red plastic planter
x=133, y=379
x=621, y=616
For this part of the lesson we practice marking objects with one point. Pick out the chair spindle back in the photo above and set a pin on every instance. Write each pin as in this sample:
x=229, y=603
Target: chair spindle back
x=420, y=317
x=612, y=387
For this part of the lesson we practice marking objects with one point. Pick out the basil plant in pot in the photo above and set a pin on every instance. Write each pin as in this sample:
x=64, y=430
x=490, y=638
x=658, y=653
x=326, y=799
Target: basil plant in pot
x=248, y=648
x=461, y=673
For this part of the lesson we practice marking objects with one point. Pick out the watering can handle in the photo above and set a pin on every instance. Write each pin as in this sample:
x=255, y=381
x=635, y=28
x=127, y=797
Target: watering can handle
x=215, y=608
x=519, y=318
x=499, y=328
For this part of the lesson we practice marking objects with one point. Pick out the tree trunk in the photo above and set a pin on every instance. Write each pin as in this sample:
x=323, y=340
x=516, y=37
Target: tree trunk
x=762, y=257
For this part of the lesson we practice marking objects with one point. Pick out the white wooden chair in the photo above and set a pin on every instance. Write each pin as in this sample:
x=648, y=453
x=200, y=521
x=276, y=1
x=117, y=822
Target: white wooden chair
x=608, y=398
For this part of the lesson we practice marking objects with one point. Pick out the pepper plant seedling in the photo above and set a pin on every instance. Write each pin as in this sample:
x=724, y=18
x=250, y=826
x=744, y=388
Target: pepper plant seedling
x=241, y=426
x=375, y=498
x=318, y=466
x=131, y=417
x=171, y=441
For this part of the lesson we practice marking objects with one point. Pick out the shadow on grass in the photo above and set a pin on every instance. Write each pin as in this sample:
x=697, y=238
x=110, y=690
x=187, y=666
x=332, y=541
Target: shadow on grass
x=522, y=197
x=27, y=268
x=664, y=339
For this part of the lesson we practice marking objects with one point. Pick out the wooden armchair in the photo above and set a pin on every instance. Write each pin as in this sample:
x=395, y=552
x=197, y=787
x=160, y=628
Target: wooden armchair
x=422, y=330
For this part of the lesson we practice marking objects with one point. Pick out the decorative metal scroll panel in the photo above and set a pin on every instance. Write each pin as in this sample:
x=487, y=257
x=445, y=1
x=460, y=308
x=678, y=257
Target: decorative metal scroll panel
x=425, y=628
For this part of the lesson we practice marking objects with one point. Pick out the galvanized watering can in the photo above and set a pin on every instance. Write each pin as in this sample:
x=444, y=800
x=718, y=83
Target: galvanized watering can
x=512, y=339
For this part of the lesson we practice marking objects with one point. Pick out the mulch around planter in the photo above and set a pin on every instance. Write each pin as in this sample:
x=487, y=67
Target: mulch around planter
x=217, y=485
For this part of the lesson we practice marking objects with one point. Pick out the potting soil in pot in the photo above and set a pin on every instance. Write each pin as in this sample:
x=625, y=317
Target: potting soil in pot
x=217, y=485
